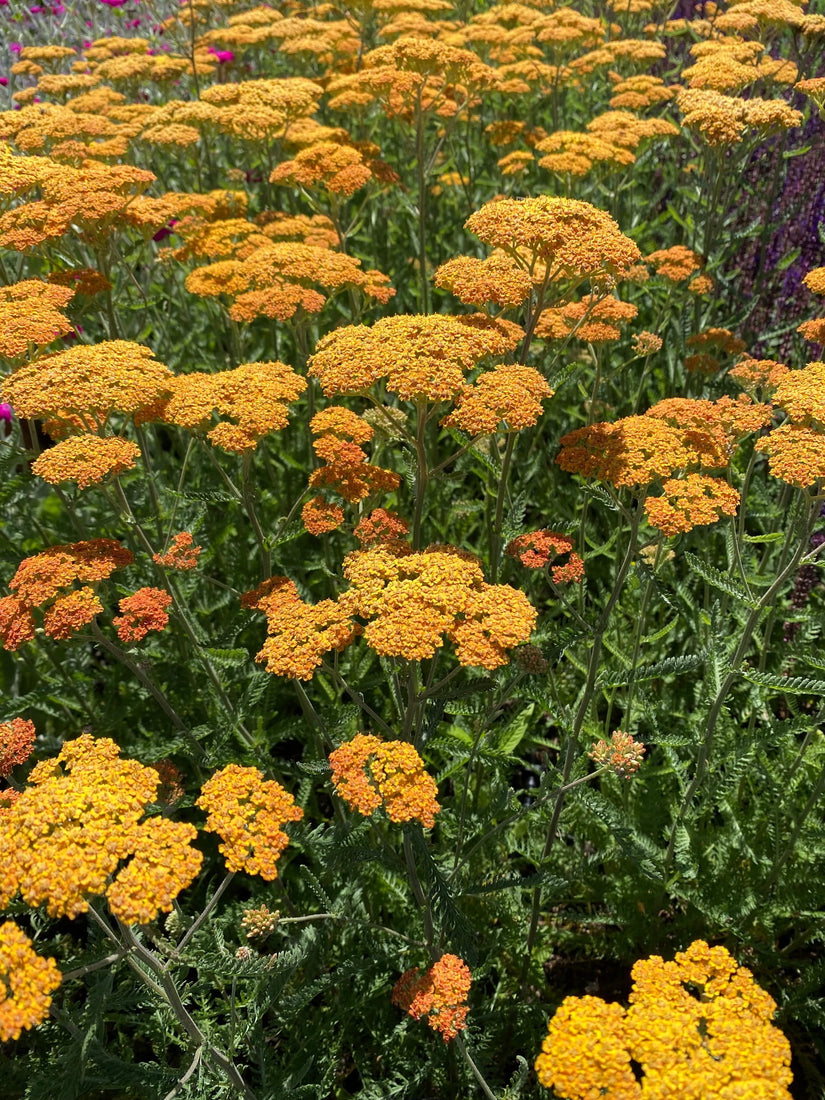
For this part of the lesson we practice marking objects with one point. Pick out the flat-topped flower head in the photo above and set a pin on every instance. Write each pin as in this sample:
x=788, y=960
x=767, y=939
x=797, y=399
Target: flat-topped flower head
x=506, y=398
x=64, y=841
x=248, y=813
x=86, y=460
x=90, y=381
x=796, y=454
x=572, y=239
x=16, y=744
x=27, y=981
x=536, y=549
x=691, y=501
x=370, y=774
x=439, y=995
x=497, y=279
x=801, y=393
x=417, y=357
x=31, y=316
x=182, y=553
x=142, y=612
x=39, y=578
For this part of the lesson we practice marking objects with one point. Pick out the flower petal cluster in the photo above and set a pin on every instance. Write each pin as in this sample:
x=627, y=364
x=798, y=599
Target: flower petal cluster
x=16, y=743
x=439, y=995
x=86, y=459
x=66, y=839
x=413, y=602
x=253, y=396
x=320, y=517
x=572, y=239
x=248, y=813
x=497, y=279
x=31, y=316
x=45, y=581
x=417, y=357
x=299, y=633
x=691, y=501
x=535, y=549
x=758, y=376
x=182, y=553
x=510, y=394
x=27, y=982
x=141, y=612
x=724, y=120
x=381, y=526
x=369, y=773
x=796, y=449
x=90, y=381
x=326, y=165
x=338, y=432
x=699, y=1027
x=676, y=264
x=621, y=754
x=595, y=319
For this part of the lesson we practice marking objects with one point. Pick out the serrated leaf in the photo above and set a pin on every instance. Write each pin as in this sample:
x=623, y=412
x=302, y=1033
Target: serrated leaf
x=789, y=685
x=718, y=580
x=670, y=666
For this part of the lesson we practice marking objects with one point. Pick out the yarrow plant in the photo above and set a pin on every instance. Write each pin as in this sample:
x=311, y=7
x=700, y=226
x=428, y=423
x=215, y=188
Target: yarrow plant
x=412, y=468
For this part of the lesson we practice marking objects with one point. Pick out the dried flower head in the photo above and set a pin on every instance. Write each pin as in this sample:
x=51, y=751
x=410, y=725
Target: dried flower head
x=439, y=994
x=248, y=813
x=370, y=774
x=259, y=923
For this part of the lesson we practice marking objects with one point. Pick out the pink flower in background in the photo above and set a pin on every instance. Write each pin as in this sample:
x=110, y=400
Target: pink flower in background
x=15, y=47
x=4, y=81
x=6, y=413
x=223, y=56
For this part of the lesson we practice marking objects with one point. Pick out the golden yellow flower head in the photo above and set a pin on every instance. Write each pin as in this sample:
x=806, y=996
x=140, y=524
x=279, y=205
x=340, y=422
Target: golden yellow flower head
x=31, y=316
x=86, y=459
x=369, y=774
x=248, y=813
x=28, y=982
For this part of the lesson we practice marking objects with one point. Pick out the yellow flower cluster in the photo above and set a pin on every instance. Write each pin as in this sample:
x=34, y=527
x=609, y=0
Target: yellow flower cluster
x=31, y=316
x=699, y=1028
x=26, y=983
x=796, y=449
x=691, y=501
x=66, y=839
x=724, y=120
x=416, y=356
x=248, y=812
x=510, y=394
x=254, y=397
x=86, y=459
x=369, y=773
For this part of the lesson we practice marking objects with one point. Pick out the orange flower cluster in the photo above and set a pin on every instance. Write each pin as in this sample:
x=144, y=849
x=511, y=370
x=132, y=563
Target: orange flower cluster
x=62, y=841
x=16, y=744
x=538, y=548
x=594, y=319
x=758, y=376
x=497, y=279
x=248, y=812
x=796, y=449
x=815, y=280
x=320, y=517
x=141, y=612
x=31, y=316
x=328, y=165
x=381, y=526
x=439, y=994
x=510, y=394
x=557, y=238
x=254, y=396
x=299, y=633
x=417, y=357
x=698, y=1027
x=182, y=553
x=83, y=385
x=40, y=581
x=621, y=754
x=676, y=264
x=413, y=601
x=724, y=120
x=677, y=434
x=338, y=432
x=277, y=279
x=369, y=774
x=27, y=982
x=576, y=153
x=709, y=345
x=86, y=459
x=691, y=501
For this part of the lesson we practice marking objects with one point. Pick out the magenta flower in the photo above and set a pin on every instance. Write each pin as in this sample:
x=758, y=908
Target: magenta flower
x=6, y=412
x=223, y=56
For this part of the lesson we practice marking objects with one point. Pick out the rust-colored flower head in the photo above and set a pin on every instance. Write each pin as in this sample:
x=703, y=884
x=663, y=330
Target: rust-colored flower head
x=536, y=549
x=381, y=526
x=143, y=611
x=439, y=994
x=248, y=813
x=182, y=553
x=370, y=774
x=319, y=516
x=16, y=744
